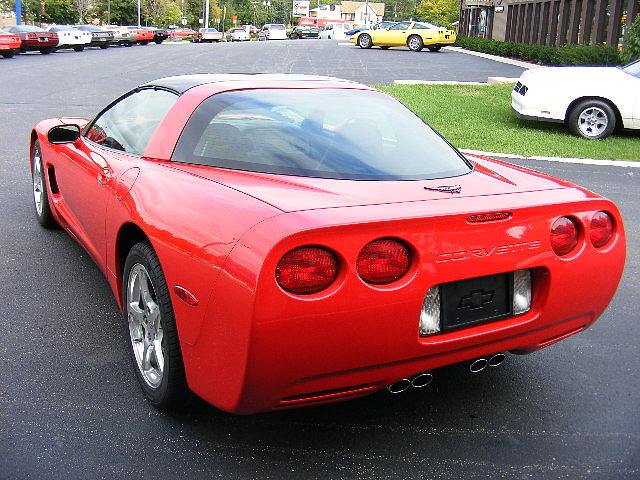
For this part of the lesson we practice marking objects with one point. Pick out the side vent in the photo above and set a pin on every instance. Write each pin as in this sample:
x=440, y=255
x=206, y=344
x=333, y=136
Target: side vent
x=53, y=184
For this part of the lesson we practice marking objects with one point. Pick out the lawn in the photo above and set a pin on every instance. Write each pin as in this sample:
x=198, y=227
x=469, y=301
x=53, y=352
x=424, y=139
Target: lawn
x=479, y=117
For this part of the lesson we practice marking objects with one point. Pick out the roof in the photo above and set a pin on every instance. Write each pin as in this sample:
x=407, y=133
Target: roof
x=351, y=7
x=182, y=83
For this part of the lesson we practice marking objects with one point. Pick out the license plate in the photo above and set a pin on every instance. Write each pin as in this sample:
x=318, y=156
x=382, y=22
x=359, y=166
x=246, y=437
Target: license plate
x=476, y=300
x=42, y=39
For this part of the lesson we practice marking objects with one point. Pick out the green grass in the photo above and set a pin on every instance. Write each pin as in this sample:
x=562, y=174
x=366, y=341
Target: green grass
x=479, y=117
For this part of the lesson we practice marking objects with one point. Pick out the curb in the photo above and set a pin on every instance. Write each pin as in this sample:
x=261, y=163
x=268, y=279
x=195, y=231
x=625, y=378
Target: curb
x=496, y=58
x=584, y=161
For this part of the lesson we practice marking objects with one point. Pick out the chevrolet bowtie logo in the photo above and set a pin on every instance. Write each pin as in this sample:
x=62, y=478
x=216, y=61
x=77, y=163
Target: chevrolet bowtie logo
x=446, y=188
x=476, y=299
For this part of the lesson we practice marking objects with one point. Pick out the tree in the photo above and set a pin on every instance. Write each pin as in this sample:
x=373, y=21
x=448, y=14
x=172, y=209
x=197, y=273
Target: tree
x=121, y=12
x=82, y=7
x=400, y=10
x=631, y=49
x=439, y=12
x=169, y=15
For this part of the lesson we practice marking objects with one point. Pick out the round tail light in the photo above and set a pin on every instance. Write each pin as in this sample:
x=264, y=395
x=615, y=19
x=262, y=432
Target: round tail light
x=564, y=235
x=601, y=229
x=383, y=261
x=306, y=270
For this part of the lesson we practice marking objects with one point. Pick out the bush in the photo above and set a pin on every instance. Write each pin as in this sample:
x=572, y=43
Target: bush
x=566, y=55
x=631, y=49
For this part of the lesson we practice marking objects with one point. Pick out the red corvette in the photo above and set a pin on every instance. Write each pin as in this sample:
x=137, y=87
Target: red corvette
x=270, y=248
x=9, y=44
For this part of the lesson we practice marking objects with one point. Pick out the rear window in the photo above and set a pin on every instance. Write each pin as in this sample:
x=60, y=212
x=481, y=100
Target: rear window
x=277, y=27
x=325, y=133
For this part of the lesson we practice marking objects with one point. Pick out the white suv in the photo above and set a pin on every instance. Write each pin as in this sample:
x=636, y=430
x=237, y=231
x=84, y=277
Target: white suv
x=273, y=31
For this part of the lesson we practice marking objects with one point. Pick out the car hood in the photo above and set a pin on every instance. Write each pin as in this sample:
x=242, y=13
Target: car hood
x=568, y=74
x=289, y=193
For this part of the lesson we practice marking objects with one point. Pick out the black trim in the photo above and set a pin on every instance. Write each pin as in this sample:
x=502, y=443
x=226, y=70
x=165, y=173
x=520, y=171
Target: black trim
x=531, y=117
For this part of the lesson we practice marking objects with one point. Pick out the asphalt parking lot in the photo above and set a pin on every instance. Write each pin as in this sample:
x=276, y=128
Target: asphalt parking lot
x=69, y=404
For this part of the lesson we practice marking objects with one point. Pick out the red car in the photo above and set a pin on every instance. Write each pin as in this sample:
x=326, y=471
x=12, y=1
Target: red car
x=278, y=241
x=34, y=38
x=143, y=36
x=9, y=44
x=181, y=32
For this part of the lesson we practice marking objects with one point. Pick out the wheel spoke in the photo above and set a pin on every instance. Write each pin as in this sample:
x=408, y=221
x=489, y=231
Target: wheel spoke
x=159, y=356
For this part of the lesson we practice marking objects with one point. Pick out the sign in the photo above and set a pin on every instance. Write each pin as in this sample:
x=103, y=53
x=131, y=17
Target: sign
x=300, y=8
x=184, y=20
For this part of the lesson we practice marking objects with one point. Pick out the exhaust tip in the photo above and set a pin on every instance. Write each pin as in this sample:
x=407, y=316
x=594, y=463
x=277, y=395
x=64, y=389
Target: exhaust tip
x=478, y=365
x=399, y=386
x=497, y=359
x=421, y=380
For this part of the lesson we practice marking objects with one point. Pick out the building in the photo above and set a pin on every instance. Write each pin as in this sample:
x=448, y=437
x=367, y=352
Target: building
x=362, y=13
x=548, y=22
x=326, y=12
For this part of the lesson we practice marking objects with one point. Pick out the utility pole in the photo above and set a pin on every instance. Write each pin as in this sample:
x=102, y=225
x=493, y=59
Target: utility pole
x=139, y=24
x=18, y=12
x=206, y=14
x=109, y=12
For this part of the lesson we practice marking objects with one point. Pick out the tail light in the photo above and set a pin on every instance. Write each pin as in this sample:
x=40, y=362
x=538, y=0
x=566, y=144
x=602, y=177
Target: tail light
x=383, y=261
x=601, y=229
x=32, y=36
x=307, y=270
x=564, y=235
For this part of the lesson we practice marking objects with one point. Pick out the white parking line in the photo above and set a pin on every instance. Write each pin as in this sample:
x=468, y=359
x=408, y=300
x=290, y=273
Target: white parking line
x=585, y=161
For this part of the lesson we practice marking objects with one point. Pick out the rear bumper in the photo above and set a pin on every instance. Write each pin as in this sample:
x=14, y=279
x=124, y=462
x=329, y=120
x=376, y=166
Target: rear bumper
x=270, y=349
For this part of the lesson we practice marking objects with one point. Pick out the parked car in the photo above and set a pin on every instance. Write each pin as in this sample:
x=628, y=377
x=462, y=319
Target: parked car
x=143, y=36
x=273, y=31
x=34, y=38
x=353, y=31
x=384, y=25
x=71, y=37
x=159, y=34
x=206, y=35
x=122, y=35
x=237, y=35
x=99, y=37
x=415, y=35
x=335, y=31
x=592, y=101
x=181, y=32
x=328, y=269
x=251, y=29
x=9, y=44
x=304, y=31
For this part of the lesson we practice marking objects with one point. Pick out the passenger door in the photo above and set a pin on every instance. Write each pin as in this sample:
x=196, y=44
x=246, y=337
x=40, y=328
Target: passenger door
x=111, y=144
x=394, y=36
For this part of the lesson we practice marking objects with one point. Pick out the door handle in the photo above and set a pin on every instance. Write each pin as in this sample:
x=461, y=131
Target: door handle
x=103, y=176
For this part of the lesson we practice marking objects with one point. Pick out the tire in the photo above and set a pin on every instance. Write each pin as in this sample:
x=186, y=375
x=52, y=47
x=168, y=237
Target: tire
x=148, y=313
x=158, y=42
x=385, y=48
x=415, y=43
x=364, y=41
x=434, y=48
x=144, y=42
x=592, y=119
x=39, y=186
x=46, y=50
x=78, y=49
x=129, y=44
x=7, y=54
x=104, y=47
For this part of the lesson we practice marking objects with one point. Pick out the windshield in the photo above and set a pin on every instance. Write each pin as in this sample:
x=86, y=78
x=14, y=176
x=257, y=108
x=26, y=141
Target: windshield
x=27, y=28
x=632, y=69
x=325, y=133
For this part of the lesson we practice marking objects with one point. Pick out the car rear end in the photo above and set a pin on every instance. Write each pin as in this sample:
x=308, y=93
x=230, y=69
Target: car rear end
x=101, y=39
x=277, y=31
x=467, y=279
x=439, y=37
x=39, y=40
x=211, y=35
x=9, y=44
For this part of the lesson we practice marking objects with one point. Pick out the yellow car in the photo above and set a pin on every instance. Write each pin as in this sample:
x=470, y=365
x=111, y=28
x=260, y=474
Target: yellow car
x=415, y=35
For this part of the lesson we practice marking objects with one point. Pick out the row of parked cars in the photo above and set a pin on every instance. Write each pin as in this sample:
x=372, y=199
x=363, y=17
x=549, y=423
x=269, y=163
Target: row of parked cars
x=24, y=38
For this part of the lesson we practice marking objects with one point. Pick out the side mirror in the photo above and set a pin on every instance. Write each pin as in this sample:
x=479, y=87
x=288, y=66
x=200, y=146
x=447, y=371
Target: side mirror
x=64, y=134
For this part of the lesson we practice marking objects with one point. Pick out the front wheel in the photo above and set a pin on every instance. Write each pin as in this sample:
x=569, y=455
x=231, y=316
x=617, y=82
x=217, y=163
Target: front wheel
x=385, y=48
x=364, y=41
x=434, y=48
x=78, y=49
x=153, y=347
x=158, y=42
x=415, y=43
x=145, y=42
x=40, y=195
x=592, y=119
x=104, y=47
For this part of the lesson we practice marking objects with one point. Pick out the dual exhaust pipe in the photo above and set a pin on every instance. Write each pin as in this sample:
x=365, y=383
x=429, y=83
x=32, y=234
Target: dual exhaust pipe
x=423, y=379
x=419, y=380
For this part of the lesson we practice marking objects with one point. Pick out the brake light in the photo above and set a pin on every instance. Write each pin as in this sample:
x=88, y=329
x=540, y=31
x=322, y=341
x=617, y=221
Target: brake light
x=600, y=229
x=307, y=270
x=564, y=235
x=383, y=261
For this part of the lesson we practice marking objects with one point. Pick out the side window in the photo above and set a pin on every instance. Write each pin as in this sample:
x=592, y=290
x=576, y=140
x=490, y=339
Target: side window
x=399, y=26
x=129, y=124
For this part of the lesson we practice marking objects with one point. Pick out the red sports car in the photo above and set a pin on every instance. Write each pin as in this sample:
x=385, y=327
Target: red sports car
x=34, y=38
x=276, y=241
x=9, y=44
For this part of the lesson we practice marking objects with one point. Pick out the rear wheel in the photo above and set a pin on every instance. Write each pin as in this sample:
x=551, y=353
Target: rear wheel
x=78, y=49
x=364, y=41
x=592, y=119
x=158, y=42
x=385, y=48
x=103, y=47
x=129, y=44
x=154, y=347
x=145, y=42
x=415, y=43
x=7, y=54
x=434, y=48
x=40, y=195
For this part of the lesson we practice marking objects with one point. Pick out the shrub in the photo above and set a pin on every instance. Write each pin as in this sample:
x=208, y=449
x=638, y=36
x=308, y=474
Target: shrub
x=566, y=55
x=631, y=49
